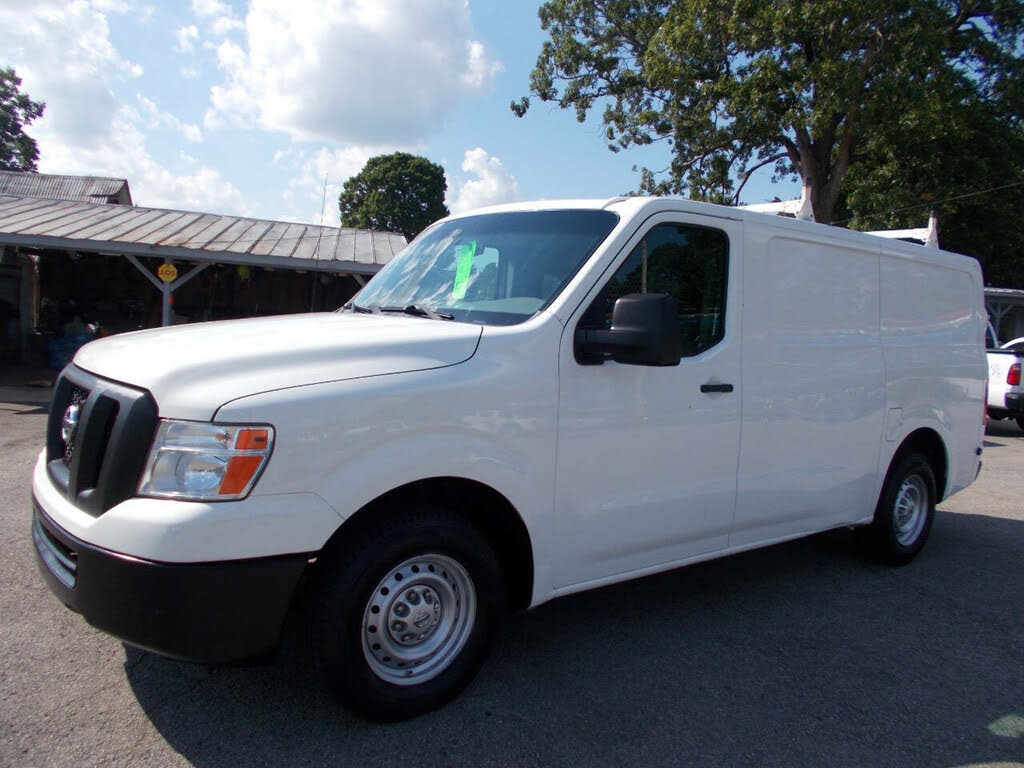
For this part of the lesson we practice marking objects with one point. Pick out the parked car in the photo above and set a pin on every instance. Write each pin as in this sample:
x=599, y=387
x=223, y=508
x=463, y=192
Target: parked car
x=528, y=401
x=1017, y=345
x=1005, y=393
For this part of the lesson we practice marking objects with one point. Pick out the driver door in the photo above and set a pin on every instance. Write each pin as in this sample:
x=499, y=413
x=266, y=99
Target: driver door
x=647, y=456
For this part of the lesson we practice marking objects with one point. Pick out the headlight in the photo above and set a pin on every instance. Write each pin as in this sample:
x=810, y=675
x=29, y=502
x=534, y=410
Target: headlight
x=200, y=461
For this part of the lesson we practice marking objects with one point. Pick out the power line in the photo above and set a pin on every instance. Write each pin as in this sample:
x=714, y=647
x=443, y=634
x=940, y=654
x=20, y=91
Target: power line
x=931, y=204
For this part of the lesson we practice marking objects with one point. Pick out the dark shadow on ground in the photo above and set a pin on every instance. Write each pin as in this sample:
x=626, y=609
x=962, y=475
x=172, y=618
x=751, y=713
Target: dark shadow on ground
x=1003, y=428
x=24, y=409
x=801, y=654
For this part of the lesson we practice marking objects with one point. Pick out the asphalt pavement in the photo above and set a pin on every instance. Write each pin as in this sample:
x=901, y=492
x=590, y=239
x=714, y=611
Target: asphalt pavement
x=797, y=655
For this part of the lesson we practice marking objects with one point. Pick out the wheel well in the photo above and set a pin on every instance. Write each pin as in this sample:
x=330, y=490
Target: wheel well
x=927, y=442
x=480, y=505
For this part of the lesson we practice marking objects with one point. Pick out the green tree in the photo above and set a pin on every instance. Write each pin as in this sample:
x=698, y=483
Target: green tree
x=965, y=162
x=800, y=85
x=396, y=193
x=18, y=150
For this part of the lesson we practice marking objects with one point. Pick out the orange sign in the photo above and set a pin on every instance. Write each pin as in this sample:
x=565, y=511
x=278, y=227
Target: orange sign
x=167, y=272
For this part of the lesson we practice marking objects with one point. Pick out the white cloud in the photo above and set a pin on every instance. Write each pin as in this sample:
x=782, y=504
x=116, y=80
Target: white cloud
x=218, y=18
x=115, y=6
x=492, y=183
x=349, y=71
x=152, y=183
x=191, y=132
x=64, y=55
x=186, y=38
x=154, y=117
x=289, y=157
x=333, y=165
x=210, y=8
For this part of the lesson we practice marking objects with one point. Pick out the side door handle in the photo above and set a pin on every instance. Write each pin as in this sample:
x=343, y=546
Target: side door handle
x=705, y=388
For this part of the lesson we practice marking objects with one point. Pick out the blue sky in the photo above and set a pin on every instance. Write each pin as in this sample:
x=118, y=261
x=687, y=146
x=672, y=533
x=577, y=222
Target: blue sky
x=244, y=107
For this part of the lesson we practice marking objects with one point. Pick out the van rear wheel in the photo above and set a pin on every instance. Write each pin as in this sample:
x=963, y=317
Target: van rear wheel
x=406, y=614
x=903, y=517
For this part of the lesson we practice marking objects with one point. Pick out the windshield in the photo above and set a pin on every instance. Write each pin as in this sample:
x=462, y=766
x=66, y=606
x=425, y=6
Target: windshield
x=493, y=269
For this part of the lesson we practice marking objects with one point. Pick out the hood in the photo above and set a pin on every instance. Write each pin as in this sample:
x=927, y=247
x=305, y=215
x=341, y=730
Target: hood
x=192, y=370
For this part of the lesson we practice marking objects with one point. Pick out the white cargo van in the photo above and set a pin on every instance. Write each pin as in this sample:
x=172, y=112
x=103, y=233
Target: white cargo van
x=528, y=401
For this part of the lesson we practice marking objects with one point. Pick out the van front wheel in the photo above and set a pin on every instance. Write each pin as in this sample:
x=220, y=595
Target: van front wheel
x=406, y=614
x=903, y=517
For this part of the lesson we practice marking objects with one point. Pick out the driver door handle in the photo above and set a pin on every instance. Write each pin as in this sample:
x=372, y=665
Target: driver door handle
x=705, y=388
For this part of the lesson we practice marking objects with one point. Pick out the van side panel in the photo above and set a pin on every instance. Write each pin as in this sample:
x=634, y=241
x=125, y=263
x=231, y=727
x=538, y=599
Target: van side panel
x=813, y=386
x=933, y=329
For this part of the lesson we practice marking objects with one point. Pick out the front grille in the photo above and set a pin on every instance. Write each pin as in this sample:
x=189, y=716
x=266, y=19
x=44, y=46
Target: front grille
x=78, y=398
x=100, y=462
x=61, y=561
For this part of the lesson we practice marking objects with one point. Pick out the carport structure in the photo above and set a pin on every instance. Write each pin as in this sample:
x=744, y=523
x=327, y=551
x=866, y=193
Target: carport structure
x=195, y=238
x=1006, y=309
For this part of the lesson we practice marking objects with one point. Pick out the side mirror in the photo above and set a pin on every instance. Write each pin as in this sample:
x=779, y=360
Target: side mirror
x=645, y=331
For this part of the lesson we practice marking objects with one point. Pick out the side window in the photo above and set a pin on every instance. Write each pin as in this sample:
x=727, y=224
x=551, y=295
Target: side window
x=690, y=264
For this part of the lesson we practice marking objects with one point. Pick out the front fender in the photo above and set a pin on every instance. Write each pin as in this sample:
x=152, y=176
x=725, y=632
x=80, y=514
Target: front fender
x=373, y=472
x=490, y=419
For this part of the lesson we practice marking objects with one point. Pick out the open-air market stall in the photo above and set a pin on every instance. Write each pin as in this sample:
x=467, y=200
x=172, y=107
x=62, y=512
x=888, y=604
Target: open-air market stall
x=82, y=267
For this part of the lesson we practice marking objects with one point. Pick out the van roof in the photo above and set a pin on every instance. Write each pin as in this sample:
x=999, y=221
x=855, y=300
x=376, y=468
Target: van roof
x=641, y=207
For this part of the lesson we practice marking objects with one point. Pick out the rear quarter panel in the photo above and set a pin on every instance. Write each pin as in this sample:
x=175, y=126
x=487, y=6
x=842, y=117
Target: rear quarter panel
x=933, y=338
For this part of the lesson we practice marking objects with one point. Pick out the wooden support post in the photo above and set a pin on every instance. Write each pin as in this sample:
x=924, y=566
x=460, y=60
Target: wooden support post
x=166, y=289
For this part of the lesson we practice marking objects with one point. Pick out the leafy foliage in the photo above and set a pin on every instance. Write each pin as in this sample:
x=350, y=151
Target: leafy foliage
x=941, y=160
x=18, y=150
x=395, y=193
x=808, y=87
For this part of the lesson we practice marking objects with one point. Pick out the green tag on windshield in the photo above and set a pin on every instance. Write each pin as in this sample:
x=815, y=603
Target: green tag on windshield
x=463, y=266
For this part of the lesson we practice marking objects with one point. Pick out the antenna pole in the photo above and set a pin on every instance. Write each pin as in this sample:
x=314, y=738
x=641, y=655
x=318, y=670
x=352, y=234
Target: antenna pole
x=316, y=252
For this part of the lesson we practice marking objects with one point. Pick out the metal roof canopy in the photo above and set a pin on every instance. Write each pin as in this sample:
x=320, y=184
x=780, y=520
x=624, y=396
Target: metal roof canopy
x=192, y=236
x=88, y=189
x=1001, y=301
x=204, y=238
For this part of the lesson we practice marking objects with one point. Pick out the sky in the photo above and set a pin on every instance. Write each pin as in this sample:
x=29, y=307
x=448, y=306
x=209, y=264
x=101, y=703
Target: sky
x=247, y=107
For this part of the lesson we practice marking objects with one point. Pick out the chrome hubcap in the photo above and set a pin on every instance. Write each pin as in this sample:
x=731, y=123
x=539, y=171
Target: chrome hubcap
x=911, y=510
x=414, y=615
x=418, y=619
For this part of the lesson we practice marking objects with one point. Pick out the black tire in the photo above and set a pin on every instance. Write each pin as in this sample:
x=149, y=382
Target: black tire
x=891, y=537
x=1020, y=421
x=423, y=541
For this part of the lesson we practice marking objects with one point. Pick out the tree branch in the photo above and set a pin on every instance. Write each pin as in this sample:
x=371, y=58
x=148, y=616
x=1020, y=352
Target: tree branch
x=748, y=172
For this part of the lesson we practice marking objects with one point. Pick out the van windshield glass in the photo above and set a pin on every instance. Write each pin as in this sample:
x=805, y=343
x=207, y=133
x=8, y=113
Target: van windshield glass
x=492, y=269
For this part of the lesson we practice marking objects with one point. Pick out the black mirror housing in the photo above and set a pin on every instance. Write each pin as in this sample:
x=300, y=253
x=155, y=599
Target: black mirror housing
x=645, y=331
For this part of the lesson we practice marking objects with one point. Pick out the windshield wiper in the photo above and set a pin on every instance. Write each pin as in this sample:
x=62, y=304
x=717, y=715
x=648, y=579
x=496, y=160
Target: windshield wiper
x=362, y=310
x=418, y=311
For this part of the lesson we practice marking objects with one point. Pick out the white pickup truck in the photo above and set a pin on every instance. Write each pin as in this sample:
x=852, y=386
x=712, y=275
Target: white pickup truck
x=1005, y=392
x=527, y=402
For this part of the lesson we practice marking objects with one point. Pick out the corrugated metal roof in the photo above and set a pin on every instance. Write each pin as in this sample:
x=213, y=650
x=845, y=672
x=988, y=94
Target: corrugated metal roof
x=193, y=236
x=1005, y=293
x=87, y=189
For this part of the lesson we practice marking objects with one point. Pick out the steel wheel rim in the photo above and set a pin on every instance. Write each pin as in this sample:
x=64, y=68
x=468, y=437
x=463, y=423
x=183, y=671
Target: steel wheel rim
x=911, y=510
x=418, y=619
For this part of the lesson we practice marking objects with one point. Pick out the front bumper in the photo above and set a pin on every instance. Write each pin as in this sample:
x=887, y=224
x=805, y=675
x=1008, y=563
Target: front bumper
x=207, y=612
